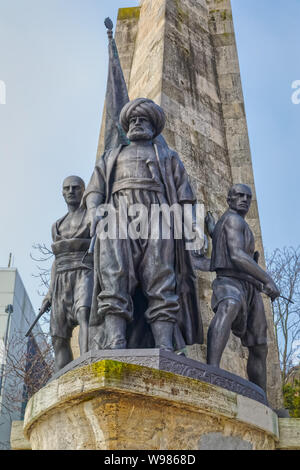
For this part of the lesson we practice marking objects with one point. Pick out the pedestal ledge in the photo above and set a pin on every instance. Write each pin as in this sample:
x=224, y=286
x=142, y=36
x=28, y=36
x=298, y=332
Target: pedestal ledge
x=17, y=439
x=111, y=405
x=289, y=434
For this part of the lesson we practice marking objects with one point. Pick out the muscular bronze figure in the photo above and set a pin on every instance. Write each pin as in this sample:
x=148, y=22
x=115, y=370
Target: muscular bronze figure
x=70, y=292
x=236, y=299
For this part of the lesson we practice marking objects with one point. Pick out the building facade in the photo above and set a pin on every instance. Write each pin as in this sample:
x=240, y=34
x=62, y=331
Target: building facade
x=16, y=316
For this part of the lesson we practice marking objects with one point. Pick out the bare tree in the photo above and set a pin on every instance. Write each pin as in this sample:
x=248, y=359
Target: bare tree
x=27, y=368
x=43, y=257
x=27, y=365
x=284, y=266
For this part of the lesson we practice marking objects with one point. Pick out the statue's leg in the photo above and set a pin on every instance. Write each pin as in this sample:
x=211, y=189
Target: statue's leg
x=158, y=281
x=115, y=329
x=256, y=341
x=63, y=352
x=257, y=365
x=83, y=292
x=163, y=332
x=219, y=330
x=83, y=320
x=118, y=283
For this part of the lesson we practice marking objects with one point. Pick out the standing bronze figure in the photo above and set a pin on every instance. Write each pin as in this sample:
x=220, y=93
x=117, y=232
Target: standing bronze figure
x=148, y=173
x=236, y=299
x=70, y=292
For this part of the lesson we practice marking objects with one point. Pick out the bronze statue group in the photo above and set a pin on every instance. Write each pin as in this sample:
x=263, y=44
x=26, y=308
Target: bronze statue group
x=127, y=292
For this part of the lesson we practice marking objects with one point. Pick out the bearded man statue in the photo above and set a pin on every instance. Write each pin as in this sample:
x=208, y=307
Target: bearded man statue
x=145, y=287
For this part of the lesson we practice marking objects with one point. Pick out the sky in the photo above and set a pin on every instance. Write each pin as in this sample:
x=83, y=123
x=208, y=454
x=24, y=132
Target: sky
x=53, y=61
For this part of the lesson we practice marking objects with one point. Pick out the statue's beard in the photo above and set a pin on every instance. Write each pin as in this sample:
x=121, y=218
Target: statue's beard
x=138, y=134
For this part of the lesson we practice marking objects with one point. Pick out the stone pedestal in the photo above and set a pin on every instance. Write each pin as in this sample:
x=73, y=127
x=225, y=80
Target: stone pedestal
x=113, y=405
x=289, y=430
x=17, y=439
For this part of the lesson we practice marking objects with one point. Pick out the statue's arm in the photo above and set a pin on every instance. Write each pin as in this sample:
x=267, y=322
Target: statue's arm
x=234, y=228
x=94, y=195
x=210, y=224
x=47, y=302
x=52, y=281
x=93, y=200
x=184, y=189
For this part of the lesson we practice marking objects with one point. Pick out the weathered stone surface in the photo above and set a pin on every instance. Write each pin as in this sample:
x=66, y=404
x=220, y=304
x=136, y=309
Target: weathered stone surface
x=169, y=362
x=75, y=343
x=17, y=439
x=111, y=405
x=216, y=441
x=183, y=55
x=289, y=434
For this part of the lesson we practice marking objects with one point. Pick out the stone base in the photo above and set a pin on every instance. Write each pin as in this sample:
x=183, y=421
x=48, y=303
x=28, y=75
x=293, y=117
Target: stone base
x=289, y=430
x=17, y=439
x=112, y=405
x=170, y=362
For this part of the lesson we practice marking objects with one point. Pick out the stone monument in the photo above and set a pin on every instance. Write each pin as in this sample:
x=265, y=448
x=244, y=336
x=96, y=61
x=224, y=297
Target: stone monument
x=182, y=54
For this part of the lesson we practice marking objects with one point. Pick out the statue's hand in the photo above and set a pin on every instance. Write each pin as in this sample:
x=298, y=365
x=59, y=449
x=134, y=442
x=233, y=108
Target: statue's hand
x=271, y=290
x=210, y=223
x=46, y=305
x=93, y=220
x=94, y=225
x=200, y=261
x=198, y=253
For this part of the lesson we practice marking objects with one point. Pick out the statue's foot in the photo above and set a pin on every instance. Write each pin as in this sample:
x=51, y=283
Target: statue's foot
x=120, y=345
x=115, y=327
x=163, y=335
x=180, y=353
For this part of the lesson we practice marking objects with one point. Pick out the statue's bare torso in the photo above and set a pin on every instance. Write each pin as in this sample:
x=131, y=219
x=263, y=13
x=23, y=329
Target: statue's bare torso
x=70, y=224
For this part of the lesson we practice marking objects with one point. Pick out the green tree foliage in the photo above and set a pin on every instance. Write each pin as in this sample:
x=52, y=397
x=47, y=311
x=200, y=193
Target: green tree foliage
x=291, y=394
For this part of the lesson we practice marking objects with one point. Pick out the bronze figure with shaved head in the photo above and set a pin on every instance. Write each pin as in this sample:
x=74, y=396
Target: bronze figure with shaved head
x=70, y=292
x=236, y=299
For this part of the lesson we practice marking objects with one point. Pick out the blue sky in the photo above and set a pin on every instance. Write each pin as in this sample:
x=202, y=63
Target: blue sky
x=53, y=59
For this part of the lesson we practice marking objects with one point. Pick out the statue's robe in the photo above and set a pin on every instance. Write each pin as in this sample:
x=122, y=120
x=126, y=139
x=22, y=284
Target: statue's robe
x=189, y=329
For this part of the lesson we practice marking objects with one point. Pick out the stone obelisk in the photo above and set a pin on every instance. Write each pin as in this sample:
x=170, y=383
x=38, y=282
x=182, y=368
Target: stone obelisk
x=183, y=55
